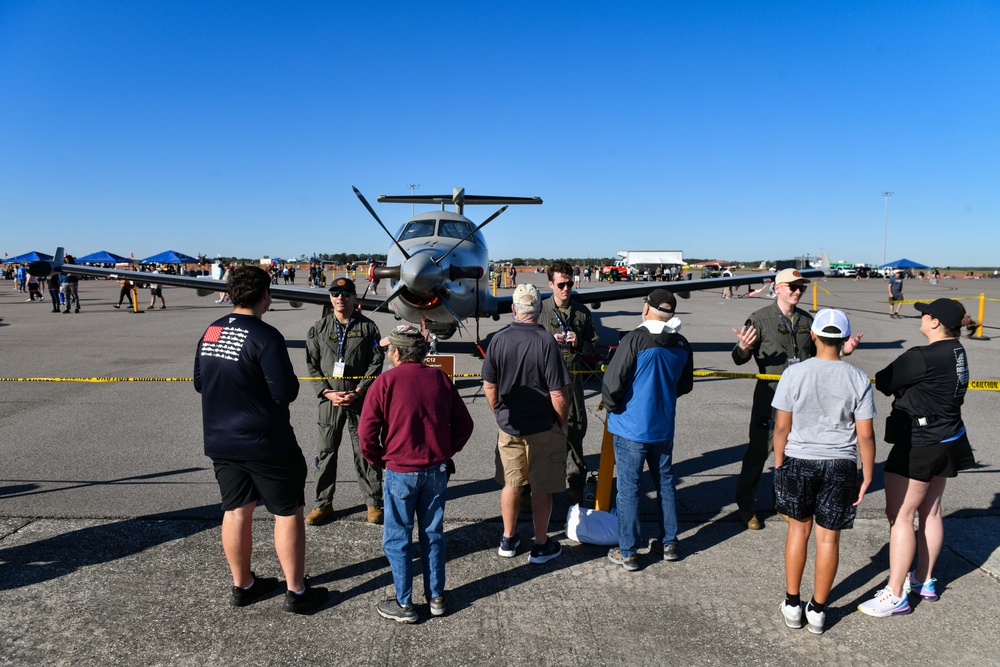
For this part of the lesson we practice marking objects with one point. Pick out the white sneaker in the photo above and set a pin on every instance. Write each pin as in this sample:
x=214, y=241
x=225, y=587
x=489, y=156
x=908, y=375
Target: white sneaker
x=885, y=604
x=793, y=615
x=815, y=620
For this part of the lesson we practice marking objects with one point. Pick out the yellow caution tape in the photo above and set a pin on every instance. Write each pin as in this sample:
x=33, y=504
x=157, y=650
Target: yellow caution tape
x=981, y=385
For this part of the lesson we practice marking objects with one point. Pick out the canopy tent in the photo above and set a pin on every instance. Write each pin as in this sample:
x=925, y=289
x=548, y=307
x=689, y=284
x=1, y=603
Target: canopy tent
x=32, y=256
x=170, y=257
x=904, y=264
x=103, y=257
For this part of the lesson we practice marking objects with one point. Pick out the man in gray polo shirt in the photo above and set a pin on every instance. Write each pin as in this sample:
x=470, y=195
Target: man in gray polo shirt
x=527, y=386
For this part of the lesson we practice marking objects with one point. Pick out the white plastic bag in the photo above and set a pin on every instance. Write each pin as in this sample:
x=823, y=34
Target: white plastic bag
x=591, y=526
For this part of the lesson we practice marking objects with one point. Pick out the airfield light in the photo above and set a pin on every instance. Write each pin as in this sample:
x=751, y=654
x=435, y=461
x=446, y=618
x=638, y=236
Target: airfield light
x=885, y=223
x=413, y=187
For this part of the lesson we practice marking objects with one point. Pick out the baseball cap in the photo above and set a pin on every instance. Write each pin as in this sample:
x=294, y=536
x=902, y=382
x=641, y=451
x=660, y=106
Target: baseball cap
x=404, y=335
x=526, y=295
x=789, y=276
x=830, y=323
x=662, y=300
x=947, y=311
x=343, y=285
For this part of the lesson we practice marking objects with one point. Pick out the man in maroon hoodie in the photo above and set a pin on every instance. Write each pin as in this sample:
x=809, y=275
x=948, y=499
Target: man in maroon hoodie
x=412, y=424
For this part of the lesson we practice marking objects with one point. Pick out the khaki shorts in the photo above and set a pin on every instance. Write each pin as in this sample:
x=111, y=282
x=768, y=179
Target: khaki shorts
x=538, y=459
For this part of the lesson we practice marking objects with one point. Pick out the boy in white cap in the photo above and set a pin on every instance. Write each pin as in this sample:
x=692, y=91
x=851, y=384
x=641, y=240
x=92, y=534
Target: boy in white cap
x=823, y=417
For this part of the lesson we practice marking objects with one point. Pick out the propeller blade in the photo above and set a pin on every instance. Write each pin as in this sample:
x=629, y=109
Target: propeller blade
x=384, y=306
x=483, y=224
x=447, y=305
x=375, y=215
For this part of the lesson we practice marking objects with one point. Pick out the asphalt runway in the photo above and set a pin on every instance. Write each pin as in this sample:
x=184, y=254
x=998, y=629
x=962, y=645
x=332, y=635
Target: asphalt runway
x=134, y=448
x=109, y=530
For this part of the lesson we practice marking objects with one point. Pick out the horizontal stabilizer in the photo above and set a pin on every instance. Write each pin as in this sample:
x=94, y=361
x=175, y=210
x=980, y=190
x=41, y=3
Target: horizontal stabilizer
x=469, y=200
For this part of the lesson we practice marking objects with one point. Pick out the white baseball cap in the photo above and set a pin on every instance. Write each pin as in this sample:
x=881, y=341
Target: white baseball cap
x=831, y=323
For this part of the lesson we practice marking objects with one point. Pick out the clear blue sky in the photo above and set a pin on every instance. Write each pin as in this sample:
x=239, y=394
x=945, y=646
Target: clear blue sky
x=736, y=130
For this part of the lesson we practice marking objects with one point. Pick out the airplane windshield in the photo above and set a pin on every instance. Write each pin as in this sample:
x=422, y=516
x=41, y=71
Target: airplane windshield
x=456, y=229
x=417, y=229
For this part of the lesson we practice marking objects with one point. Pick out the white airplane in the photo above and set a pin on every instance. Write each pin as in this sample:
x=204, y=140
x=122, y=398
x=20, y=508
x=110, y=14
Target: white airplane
x=436, y=270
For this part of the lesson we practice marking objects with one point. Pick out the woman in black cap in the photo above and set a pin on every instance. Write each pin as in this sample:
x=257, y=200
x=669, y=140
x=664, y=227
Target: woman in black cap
x=929, y=445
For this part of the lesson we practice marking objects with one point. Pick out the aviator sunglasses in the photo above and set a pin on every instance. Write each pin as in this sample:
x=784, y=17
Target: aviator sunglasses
x=564, y=285
x=341, y=293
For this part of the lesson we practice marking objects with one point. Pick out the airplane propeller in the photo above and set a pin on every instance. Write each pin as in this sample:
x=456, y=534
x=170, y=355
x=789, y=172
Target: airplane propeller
x=422, y=274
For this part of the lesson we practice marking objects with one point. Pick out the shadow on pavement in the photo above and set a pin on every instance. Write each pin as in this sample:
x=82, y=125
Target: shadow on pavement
x=35, y=562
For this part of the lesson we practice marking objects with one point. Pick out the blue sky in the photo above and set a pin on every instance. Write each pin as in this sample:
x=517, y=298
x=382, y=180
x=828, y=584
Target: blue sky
x=736, y=130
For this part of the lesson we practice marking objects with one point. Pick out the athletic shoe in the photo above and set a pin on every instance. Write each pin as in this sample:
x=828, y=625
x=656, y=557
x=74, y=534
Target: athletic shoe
x=543, y=553
x=925, y=589
x=631, y=564
x=439, y=607
x=391, y=609
x=885, y=604
x=261, y=586
x=815, y=620
x=509, y=545
x=307, y=601
x=792, y=615
x=671, y=552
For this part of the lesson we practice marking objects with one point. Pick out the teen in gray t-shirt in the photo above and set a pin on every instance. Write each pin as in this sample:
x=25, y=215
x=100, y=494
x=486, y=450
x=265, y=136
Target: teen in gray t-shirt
x=826, y=397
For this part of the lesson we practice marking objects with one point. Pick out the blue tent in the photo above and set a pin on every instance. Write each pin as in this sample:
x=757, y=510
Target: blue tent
x=32, y=256
x=170, y=257
x=904, y=264
x=103, y=257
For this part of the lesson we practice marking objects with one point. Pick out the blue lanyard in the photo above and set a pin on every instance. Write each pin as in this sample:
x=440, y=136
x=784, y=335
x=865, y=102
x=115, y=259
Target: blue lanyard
x=341, y=337
x=563, y=323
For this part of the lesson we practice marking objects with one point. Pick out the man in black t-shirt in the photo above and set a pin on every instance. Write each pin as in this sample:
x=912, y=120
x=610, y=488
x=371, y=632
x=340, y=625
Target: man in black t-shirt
x=245, y=378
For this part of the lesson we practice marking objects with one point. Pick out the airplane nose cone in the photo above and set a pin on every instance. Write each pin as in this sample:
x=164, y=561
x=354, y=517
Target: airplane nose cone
x=421, y=274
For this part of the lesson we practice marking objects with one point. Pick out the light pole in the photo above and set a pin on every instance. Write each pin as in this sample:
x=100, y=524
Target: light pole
x=885, y=223
x=413, y=187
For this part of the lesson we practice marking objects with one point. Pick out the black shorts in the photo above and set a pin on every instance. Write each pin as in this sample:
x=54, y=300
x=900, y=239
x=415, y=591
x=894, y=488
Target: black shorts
x=925, y=462
x=824, y=489
x=280, y=483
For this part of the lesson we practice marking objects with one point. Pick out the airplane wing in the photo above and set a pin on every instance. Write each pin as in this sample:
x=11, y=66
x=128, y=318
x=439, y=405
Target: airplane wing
x=206, y=286
x=681, y=288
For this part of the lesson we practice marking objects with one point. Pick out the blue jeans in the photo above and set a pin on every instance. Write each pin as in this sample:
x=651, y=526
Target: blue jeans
x=629, y=457
x=407, y=495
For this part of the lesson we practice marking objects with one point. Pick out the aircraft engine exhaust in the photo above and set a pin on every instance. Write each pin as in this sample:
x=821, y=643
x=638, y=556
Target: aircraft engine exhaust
x=40, y=269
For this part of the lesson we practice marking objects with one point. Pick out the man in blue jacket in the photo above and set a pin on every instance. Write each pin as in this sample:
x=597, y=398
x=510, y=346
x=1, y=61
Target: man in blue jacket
x=651, y=368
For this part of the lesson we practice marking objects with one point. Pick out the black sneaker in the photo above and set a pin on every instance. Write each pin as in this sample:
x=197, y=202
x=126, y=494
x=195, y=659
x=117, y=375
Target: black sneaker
x=391, y=609
x=543, y=553
x=439, y=607
x=310, y=599
x=509, y=545
x=241, y=597
x=671, y=552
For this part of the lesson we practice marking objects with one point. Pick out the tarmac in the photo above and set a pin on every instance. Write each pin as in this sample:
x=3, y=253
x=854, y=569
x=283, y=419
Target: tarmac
x=110, y=548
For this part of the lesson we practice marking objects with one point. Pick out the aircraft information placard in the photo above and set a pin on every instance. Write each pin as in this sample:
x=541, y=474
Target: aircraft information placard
x=445, y=362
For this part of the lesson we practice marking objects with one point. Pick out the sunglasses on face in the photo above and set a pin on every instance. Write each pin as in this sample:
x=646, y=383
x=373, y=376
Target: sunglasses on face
x=564, y=285
x=792, y=287
x=341, y=293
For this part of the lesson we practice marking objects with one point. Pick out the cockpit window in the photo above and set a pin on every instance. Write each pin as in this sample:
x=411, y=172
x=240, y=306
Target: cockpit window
x=416, y=229
x=456, y=229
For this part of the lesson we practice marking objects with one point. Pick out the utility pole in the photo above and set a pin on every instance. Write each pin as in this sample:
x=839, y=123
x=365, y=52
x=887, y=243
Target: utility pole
x=413, y=187
x=885, y=223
